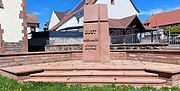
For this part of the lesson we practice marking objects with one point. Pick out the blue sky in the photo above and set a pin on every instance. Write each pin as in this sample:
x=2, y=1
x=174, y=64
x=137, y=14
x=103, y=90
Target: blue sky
x=43, y=8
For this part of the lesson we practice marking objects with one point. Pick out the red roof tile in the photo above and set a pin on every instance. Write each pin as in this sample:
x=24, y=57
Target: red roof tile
x=121, y=23
x=60, y=15
x=165, y=18
x=32, y=18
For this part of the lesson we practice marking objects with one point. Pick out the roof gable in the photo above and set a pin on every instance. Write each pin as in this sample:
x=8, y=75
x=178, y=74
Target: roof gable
x=32, y=18
x=77, y=9
x=121, y=23
x=60, y=15
x=125, y=23
x=134, y=6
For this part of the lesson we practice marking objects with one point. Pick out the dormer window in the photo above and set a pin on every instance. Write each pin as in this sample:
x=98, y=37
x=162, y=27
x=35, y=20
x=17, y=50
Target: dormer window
x=1, y=5
x=112, y=2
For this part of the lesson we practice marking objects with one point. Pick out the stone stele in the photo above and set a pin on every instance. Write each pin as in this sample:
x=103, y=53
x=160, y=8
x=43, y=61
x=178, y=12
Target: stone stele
x=96, y=41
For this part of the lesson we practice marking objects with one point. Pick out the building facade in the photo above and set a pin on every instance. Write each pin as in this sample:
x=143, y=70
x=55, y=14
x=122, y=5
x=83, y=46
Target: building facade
x=56, y=17
x=117, y=9
x=164, y=19
x=32, y=24
x=13, y=26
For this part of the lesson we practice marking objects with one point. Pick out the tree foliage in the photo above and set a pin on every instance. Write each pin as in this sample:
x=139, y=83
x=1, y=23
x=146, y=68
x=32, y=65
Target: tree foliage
x=173, y=29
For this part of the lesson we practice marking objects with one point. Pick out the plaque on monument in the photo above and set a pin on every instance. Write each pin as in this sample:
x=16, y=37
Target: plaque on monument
x=96, y=41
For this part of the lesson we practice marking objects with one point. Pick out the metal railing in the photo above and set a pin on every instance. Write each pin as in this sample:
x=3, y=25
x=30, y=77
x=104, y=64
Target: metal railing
x=65, y=38
x=174, y=40
x=124, y=39
x=136, y=38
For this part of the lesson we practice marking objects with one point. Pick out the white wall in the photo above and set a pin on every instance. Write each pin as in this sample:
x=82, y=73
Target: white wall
x=121, y=9
x=72, y=22
x=54, y=20
x=10, y=21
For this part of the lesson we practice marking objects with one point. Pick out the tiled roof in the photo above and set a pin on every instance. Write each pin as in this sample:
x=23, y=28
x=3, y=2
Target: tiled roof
x=32, y=18
x=121, y=23
x=165, y=18
x=125, y=22
x=60, y=15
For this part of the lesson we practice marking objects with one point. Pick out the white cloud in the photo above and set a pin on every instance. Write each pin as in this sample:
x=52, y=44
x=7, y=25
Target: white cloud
x=43, y=10
x=47, y=9
x=37, y=13
x=157, y=10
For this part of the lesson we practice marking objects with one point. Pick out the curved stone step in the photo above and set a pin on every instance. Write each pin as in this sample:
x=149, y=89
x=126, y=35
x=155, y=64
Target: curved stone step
x=105, y=81
x=95, y=73
x=96, y=67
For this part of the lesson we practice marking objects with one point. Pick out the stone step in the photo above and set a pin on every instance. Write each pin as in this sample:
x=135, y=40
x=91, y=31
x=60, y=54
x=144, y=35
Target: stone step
x=19, y=70
x=96, y=67
x=105, y=81
x=95, y=74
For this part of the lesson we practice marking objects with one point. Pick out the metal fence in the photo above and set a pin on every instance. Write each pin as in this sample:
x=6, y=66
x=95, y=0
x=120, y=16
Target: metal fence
x=63, y=38
x=174, y=40
x=158, y=37
x=124, y=39
x=136, y=38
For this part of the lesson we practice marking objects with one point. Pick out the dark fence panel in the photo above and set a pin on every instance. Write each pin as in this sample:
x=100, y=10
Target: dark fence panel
x=66, y=34
x=69, y=34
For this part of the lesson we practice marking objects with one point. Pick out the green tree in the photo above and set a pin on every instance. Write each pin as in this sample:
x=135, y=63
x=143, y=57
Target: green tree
x=173, y=29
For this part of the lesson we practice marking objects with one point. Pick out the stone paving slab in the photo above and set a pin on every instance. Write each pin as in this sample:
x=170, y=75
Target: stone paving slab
x=77, y=70
x=115, y=64
x=21, y=69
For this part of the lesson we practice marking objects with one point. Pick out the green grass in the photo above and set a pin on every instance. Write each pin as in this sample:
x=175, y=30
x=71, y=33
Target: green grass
x=12, y=85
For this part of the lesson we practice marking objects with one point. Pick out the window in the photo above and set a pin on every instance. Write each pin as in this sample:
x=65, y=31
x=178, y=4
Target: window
x=112, y=2
x=1, y=5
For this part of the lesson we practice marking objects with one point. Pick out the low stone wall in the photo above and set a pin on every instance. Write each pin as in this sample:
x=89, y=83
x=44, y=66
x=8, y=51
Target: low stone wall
x=38, y=57
x=163, y=56
x=49, y=48
x=13, y=47
x=65, y=41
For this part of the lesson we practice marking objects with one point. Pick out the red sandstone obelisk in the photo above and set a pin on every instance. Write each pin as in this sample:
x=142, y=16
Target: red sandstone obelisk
x=96, y=41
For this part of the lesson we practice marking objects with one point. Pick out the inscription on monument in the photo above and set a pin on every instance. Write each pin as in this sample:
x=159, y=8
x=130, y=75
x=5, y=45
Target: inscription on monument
x=90, y=32
x=96, y=34
x=90, y=47
x=92, y=40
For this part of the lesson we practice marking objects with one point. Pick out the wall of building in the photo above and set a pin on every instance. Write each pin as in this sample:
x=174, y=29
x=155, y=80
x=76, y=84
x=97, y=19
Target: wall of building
x=74, y=21
x=13, y=23
x=54, y=20
x=121, y=9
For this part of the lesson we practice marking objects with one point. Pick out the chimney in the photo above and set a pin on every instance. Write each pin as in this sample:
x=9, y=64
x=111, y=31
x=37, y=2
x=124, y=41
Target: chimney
x=68, y=12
